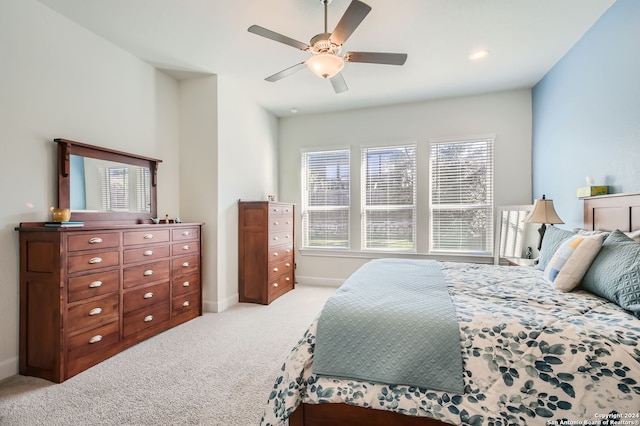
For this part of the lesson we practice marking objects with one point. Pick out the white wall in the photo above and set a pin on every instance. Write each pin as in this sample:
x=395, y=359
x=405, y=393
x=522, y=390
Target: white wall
x=505, y=114
x=247, y=170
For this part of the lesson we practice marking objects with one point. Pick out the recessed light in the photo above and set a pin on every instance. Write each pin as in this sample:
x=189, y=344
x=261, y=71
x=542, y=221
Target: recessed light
x=479, y=54
x=294, y=110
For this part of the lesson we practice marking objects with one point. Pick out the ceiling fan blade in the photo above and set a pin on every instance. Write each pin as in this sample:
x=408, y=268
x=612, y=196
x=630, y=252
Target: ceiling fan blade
x=376, y=58
x=286, y=72
x=338, y=83
x=261, y=31
x=352, y=17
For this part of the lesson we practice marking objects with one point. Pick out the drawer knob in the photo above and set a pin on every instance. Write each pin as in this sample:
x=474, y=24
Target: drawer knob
x=275, y=223
x=148, y=272
x=275, y=284
x=185, y=303
x=95, y=311
x=95, y=260
x=148, y=253
x=287, y=264
x=275, y=238
x=185, y=247
x=185, y=233
x=287, y=236
x=95, y=240
x=287, y=279
x=95, y=339
x=148, y=236
x=148, y=295
x=288, y=250
x=148, y=318
x=185, y=264
x=275, y=254
x=186, y=284
x=275, y=269
x=95, y=284
x=288, y=222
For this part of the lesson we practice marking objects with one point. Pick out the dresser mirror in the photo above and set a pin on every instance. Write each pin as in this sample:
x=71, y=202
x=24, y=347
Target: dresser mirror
x=100, y=184
x=515, y=240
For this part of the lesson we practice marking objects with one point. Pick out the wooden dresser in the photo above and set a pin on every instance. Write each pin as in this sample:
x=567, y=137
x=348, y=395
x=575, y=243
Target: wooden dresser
x=266, y=260
x=89, y=292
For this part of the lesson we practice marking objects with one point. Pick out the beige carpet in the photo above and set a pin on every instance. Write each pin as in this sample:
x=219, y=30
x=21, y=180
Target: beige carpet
x=217, y=369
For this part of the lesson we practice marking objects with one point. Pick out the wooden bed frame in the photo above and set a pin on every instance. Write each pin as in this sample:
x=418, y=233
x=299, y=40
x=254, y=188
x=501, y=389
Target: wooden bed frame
x=606, y=213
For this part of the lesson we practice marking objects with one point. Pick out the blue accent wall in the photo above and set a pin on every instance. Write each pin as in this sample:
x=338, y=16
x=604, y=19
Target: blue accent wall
x=586, y=114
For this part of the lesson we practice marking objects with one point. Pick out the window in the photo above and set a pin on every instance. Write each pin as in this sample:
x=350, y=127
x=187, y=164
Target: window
x=462, y=196
x=325, y=199
x=389, y=198
x=114, y=188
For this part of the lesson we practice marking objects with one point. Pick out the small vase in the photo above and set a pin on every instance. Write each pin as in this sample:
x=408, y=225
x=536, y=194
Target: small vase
x=61, y=215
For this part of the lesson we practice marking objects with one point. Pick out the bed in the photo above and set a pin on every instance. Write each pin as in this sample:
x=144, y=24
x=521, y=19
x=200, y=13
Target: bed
x=533, y=352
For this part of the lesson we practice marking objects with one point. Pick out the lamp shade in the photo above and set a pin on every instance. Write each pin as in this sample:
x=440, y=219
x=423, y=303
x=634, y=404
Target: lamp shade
x=325, y=65
x=543, y=212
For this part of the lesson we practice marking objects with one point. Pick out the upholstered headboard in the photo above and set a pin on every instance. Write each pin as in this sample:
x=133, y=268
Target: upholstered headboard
x=610, y=212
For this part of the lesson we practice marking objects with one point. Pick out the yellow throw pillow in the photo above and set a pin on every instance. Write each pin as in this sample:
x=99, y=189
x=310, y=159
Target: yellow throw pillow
x=572, y=260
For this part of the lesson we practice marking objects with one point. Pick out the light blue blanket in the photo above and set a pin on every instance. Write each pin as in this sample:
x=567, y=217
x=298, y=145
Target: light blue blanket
x=392, y=322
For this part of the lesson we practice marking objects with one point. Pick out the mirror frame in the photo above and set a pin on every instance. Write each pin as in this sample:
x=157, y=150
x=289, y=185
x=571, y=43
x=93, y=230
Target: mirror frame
x=67, y=147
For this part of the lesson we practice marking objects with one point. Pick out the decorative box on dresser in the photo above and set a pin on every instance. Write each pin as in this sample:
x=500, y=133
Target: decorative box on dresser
x=266, y=259
x=87, y=293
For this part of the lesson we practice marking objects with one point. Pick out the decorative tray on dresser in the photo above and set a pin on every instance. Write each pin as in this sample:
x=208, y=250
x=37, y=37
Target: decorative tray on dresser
x=90, y=291
x=266, y=259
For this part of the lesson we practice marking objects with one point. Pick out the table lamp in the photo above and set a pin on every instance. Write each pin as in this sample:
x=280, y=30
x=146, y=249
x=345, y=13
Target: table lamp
x=543, y=213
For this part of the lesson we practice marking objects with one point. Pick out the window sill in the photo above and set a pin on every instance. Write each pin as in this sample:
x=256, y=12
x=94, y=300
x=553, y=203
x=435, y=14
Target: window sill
x=406, y=255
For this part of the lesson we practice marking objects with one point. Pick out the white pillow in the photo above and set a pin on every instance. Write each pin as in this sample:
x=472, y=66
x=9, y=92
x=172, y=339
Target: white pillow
x=572, y=260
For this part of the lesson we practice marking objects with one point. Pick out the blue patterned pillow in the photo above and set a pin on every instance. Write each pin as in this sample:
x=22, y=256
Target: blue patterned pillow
x=553, y=237
x=615, y=272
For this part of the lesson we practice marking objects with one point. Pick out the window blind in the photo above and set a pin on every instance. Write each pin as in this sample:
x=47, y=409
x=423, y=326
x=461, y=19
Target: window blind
x=114, y=188
x=325, y=199
x=389, y=198
x=461, y=207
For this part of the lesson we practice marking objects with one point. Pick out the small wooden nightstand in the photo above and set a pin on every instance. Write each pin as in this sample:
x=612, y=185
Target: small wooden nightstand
x=519, y=261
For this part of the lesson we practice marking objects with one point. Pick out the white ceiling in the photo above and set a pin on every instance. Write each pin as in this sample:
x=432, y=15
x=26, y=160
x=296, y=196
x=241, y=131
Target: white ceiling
x=194, y=37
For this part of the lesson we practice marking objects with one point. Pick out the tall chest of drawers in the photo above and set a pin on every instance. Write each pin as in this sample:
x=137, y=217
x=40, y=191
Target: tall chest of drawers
x=88, y=293
x=266, y=259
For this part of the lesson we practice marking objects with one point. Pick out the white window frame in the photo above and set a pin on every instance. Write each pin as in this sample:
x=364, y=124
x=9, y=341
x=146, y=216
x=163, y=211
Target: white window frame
x=387, y=228
x=486, y=206
x=306, y=209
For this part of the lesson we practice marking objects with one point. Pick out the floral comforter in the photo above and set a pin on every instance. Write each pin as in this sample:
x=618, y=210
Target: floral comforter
x=531, y=355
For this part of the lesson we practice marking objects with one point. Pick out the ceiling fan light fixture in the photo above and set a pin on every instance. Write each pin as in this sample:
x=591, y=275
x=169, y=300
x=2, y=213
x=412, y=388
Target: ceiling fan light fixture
x=325, y=65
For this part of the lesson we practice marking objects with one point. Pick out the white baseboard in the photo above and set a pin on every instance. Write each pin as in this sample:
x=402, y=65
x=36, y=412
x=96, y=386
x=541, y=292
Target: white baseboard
x=8, y=368
x=220, y=306
x=319, y=281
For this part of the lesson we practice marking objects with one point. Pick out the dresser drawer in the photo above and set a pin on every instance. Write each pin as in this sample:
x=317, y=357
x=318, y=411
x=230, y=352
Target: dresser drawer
x=148, y=236
x=186, y=284
x=143, y=319
x=182, y=234
x=93, y=240
x=185, y=302
x=185, y=247
x=280, y=268
x=93, y=314
x=93, y=285
x=91, y=261
x=93, y=340
x=280, y=238
x=147, y=273
x=145, y=296
x=186, y=265
x=280, y=285
x=280, y=223
x=280, y=209
x=141, y=254
x=280, y=252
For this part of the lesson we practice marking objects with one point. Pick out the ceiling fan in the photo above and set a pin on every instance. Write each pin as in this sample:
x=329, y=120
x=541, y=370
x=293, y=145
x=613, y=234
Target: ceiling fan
x=326, y=60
